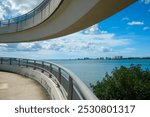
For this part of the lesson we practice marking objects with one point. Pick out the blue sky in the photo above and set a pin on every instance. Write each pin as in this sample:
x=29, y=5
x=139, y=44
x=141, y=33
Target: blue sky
x=126, y=33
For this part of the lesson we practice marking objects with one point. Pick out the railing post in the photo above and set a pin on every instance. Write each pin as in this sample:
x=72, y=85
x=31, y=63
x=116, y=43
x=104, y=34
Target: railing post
x=70, y=89
x=59, y=75
x=10, y=61
x=42, y=66
x=27, y=63
x=1, y=60
x=8, y=22
x=34, y=64
x=50, y=69
x=50, y=75
x=19, y=62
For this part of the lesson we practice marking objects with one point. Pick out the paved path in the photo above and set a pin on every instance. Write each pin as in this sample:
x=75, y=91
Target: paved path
x=17, y=87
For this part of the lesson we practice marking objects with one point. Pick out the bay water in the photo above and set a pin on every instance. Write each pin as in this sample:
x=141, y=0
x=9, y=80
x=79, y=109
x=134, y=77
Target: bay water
x=91, y=71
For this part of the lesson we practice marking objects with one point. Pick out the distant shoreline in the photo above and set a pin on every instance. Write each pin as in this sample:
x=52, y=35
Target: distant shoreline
x=101, y=59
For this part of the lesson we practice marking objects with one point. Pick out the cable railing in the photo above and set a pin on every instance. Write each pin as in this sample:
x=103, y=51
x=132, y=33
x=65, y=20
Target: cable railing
x=30, y=19
x=70, y=85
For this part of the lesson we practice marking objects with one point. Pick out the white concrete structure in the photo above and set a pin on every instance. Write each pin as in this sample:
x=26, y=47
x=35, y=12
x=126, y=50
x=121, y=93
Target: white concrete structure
x=51, y=19
x=59, y=82
x=51, y=88
x=58, y=18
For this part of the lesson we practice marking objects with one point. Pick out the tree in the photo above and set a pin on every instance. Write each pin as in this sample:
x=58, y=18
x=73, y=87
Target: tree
x=131, y=83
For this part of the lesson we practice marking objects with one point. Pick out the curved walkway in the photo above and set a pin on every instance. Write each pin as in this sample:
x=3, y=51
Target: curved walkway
x=17, y=87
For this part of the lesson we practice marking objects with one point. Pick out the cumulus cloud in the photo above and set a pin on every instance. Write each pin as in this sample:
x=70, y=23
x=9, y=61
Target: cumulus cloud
x=77, y=44
x=135, y=23
x=12, y=8
x=95, y=29
x=146, y=28
x=34, y=46
x=106, y=49
x=94, y=40
x=3, y=47
x=81, y=42
x=146, y=1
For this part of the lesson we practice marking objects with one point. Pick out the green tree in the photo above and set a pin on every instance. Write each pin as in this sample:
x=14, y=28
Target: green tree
x=131, y=83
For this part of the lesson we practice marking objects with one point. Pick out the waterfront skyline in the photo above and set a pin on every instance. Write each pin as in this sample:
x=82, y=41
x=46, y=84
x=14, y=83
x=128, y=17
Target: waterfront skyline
x=126, y=33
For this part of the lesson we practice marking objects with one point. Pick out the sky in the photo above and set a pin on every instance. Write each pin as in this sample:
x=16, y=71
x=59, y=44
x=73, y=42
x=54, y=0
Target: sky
x=126, y=33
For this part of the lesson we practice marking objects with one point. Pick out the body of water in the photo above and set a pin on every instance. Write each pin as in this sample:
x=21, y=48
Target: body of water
x=90, y=71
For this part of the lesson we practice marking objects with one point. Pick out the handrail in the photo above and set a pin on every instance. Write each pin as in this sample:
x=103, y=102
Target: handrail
x=34, y=17
x=25, y=15
x=75, y=87
x=84, y=89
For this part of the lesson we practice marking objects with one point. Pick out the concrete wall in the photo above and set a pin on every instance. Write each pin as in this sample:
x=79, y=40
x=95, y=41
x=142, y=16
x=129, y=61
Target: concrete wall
x=44, y=80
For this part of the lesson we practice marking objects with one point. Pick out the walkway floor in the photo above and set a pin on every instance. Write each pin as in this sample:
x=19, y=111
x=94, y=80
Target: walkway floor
x=17, y=87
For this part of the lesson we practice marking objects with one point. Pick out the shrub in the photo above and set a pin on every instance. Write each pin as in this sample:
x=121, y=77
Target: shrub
x=131, y=83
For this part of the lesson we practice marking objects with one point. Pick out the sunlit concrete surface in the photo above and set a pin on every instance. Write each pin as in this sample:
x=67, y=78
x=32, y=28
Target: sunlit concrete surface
x=17, y=87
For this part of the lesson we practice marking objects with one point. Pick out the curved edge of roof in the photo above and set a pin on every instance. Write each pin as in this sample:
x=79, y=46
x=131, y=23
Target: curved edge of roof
x=70, y=17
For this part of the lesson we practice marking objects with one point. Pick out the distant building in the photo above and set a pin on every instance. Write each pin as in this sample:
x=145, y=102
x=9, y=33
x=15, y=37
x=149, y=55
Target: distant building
x=118, y=57
x=108, y=58
x=101, y=58
x=86, y=58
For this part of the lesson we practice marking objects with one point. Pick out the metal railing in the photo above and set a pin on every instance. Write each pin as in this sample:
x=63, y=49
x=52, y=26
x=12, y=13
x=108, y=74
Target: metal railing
x=30, y=19
x=70, y=85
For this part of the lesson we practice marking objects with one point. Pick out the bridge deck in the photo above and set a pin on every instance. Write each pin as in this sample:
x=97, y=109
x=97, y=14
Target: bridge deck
x=17, y=87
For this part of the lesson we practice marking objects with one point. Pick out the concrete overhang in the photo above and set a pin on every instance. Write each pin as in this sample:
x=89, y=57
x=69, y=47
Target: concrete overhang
x=70, y=17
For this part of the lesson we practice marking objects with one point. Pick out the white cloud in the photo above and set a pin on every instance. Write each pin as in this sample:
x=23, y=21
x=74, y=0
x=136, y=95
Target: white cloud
x=1, y=13
x=3, y=45
x=146, y=1
x=95, y=29
x=106, y=49
x=12, y=8
x=25, y=45
x=79, y=42
x=76, y=45
x=34, y=46
x=104, y=32
x=125, y=19
x=135, y=23
x=146, y=28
